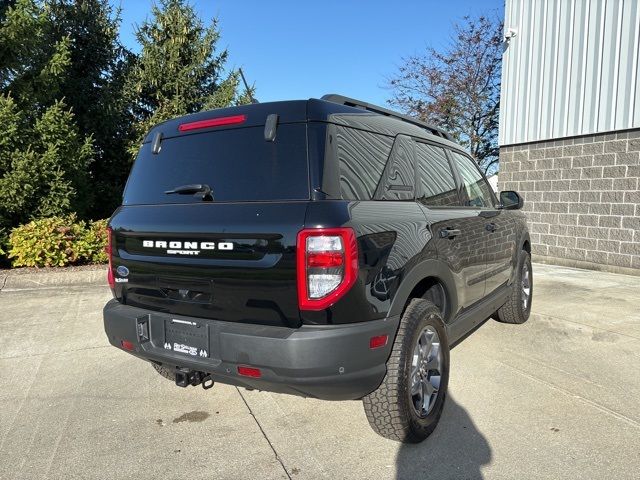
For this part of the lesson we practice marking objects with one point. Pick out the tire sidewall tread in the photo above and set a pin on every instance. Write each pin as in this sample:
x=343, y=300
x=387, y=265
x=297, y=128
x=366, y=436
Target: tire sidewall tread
x=511, y=311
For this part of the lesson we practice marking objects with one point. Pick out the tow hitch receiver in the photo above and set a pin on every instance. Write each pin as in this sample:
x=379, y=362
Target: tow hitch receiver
x=184, y=378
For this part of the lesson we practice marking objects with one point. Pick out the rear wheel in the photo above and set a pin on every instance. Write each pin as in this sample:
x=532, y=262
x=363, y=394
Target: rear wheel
x=518, y=306
x=408, y=403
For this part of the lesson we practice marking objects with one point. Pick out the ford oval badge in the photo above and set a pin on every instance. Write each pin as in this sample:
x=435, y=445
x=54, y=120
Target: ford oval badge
x=122, y=271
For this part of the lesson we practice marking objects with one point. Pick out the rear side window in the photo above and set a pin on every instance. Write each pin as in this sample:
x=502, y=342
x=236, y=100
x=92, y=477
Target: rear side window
x=476, y=188
x=362, y=157
x=237, y=163
x=398, y=178
x=438, y=187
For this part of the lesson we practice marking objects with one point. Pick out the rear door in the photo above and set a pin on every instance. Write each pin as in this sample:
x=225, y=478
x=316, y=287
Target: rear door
x=498, y=229
x=457, y=229
x=230, y=257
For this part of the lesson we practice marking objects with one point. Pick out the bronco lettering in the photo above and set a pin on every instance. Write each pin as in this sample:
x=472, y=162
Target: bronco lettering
x=180, y=247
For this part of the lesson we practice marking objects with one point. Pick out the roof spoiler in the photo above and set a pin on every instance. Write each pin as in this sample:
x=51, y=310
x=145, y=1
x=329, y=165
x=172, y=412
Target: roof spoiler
x=352, y=102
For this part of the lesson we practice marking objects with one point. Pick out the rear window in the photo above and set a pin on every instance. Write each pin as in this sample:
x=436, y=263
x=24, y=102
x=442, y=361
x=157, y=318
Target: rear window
x=238, y=165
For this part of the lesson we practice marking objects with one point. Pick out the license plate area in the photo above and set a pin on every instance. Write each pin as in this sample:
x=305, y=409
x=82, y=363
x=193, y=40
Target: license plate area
x=186, y=337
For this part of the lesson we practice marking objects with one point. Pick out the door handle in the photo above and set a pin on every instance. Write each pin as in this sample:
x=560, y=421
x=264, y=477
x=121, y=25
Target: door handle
x=491, y=227
x=449, y=232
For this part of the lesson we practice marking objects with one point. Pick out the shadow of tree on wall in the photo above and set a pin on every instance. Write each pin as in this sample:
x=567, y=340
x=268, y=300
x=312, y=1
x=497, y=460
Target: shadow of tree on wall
x=456, y=450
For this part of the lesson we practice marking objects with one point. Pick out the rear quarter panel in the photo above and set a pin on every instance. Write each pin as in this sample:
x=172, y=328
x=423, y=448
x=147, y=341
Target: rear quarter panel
x=393, y=238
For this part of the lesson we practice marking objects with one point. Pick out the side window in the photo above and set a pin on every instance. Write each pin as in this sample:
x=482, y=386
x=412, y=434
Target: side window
x=399, y=175
x=362, y=157
x=475, y=186
x=438, y=187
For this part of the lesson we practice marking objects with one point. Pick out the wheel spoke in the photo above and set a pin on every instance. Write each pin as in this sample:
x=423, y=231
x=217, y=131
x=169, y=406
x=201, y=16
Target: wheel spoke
x=416, y=387
x=525, y=285
x=434, y=362
x=426, y=396
x=435, y=382
x=414, y=371
x=428, y=388
x=425, y=345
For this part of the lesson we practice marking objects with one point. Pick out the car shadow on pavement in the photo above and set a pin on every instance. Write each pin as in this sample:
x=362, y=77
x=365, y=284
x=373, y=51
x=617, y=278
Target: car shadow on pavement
x=455, y=450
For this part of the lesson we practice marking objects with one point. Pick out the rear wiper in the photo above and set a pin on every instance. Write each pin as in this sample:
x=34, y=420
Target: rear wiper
x=192, y=189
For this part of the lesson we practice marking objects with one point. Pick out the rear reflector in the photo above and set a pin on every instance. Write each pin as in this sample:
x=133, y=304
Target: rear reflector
x=249, y=372
x=127, y=345
x=378, y=341
x=212, y=122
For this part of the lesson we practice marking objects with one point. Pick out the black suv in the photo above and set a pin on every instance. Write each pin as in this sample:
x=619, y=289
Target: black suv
x=324, y=248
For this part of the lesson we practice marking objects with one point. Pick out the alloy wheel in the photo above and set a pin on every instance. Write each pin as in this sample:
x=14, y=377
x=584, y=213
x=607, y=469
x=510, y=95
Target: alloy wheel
x=426, y=371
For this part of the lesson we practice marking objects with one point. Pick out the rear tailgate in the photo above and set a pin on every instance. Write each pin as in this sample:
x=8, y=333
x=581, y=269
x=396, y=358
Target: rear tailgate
x=233, y=262
x=229, y=255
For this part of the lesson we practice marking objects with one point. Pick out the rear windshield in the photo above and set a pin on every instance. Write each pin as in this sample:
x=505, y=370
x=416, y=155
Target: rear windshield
x=237, y=164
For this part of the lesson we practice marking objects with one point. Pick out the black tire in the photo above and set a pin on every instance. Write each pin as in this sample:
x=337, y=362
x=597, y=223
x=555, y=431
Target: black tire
x=390, y=409
x=515, y=310
x=168, y=373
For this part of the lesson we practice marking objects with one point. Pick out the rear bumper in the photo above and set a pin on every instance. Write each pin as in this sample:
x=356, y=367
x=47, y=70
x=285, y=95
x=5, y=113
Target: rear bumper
x=331, y=362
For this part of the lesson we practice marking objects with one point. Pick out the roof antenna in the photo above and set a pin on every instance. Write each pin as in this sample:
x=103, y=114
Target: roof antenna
x=246, y=86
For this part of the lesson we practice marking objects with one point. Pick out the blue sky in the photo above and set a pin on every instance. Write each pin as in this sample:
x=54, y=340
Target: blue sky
x=301, y=49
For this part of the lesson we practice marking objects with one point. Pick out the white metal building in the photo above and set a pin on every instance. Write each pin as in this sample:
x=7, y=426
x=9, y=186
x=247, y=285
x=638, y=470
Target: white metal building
x=570, y=127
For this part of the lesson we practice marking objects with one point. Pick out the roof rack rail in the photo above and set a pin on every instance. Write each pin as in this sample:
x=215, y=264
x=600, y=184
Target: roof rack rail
x=352, y=102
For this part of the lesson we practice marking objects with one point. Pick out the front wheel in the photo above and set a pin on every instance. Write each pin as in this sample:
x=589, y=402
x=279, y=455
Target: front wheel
x=518, y=306
x=408, y=403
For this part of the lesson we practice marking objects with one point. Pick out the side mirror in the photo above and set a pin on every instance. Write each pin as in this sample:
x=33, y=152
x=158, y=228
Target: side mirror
x=511, y=200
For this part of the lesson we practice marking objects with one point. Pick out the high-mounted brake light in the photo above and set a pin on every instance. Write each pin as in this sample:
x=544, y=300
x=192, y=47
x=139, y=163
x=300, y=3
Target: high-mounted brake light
x=327, y=266
x=212, y=122
x=109, y=250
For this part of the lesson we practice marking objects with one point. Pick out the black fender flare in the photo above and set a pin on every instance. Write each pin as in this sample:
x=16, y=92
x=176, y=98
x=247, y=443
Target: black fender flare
x=429, y=268
x=524, y=238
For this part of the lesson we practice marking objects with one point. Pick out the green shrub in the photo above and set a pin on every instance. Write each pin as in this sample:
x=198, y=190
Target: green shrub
x=57, y=242
x=3, y=242
x=91, y=246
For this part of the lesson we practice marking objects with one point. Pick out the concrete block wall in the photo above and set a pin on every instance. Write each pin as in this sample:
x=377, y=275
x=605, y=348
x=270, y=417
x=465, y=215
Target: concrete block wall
x=582, y=198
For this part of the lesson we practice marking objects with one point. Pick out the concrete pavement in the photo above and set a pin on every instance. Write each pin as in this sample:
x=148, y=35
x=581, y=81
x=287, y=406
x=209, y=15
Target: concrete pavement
x=554, y=398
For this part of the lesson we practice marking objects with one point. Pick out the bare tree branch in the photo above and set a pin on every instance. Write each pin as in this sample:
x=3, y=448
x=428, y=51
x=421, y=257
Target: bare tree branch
x=458, y=88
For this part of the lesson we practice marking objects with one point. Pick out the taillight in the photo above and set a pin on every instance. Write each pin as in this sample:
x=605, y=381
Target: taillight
x=327, y=266
x=109, y=249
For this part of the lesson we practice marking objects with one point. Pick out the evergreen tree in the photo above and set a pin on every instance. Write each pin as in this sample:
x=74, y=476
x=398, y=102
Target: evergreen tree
x=32, y=64
x=4, y=5
x=94, y=89
x=69, y=51
x=74, y=102
x=44, y=158
x=179, y=70
x=42, y=168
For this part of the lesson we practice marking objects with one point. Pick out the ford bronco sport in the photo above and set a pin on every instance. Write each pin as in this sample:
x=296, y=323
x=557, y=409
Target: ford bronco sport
x=324, y=248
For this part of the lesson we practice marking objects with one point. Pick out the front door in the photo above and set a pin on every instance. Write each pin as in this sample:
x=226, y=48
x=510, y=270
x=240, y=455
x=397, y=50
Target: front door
x=457, y=229
x=496, y=227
